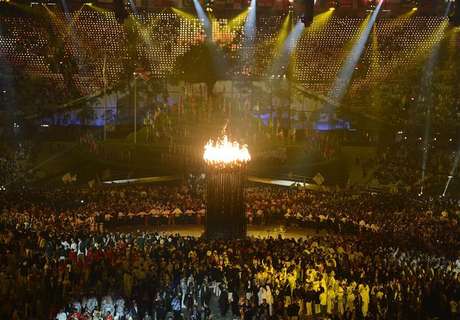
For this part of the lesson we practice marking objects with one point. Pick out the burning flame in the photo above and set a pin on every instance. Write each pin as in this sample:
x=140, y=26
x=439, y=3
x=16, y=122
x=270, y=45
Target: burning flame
x=223, y=152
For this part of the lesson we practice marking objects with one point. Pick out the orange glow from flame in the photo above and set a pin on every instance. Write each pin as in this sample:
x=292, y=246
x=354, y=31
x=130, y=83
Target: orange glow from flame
x=224, y=152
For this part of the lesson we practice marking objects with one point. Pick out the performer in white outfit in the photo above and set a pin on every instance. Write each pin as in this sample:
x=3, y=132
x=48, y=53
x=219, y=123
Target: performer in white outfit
x=269, y=298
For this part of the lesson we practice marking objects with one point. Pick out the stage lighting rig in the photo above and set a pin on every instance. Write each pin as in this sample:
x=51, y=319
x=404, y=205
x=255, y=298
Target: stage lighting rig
x=208, y=6
x=455, y=16
x=307, y=16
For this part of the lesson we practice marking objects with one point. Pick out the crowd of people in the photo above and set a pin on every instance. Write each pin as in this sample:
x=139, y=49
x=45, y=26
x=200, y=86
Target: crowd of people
x=402, y=164
x=13, y=164
x=9, y=171
x=386, y=215
x=67, y=254
x=385, y=257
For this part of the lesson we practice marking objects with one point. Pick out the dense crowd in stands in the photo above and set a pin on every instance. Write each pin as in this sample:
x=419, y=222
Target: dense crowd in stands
x=9, y=171
x=173, y=35
x=65, y=254
x=402, y=165
x=13, y=164
x=386, y=257
x=323, y=146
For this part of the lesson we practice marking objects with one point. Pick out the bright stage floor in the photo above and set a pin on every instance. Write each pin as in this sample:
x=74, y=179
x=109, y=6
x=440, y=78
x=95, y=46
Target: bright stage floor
x=253, y=231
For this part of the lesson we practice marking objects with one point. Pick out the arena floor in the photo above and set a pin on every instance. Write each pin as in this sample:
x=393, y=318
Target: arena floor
x=253, y=231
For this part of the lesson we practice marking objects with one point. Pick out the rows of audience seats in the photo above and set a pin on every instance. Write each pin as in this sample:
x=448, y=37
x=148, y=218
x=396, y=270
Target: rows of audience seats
x=164, y=36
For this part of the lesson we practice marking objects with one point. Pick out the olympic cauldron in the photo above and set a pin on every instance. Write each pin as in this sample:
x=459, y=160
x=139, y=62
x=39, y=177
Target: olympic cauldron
x=226, y=164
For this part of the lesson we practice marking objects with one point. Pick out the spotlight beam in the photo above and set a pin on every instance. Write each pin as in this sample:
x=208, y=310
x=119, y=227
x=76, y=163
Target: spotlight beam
x=145, y=31
x=250, y=23
x=449, y=179
x=133, y=7
x=283, y=33
x=425, y=97
x=287, y=48
x=293, y=38
x=183, y=14
x=344, y=77
x=204, y=19
x=249, y=34
x=73, y=37
x=239, y=20
x=98, y=9
x=7, y=79
x=453, y=171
